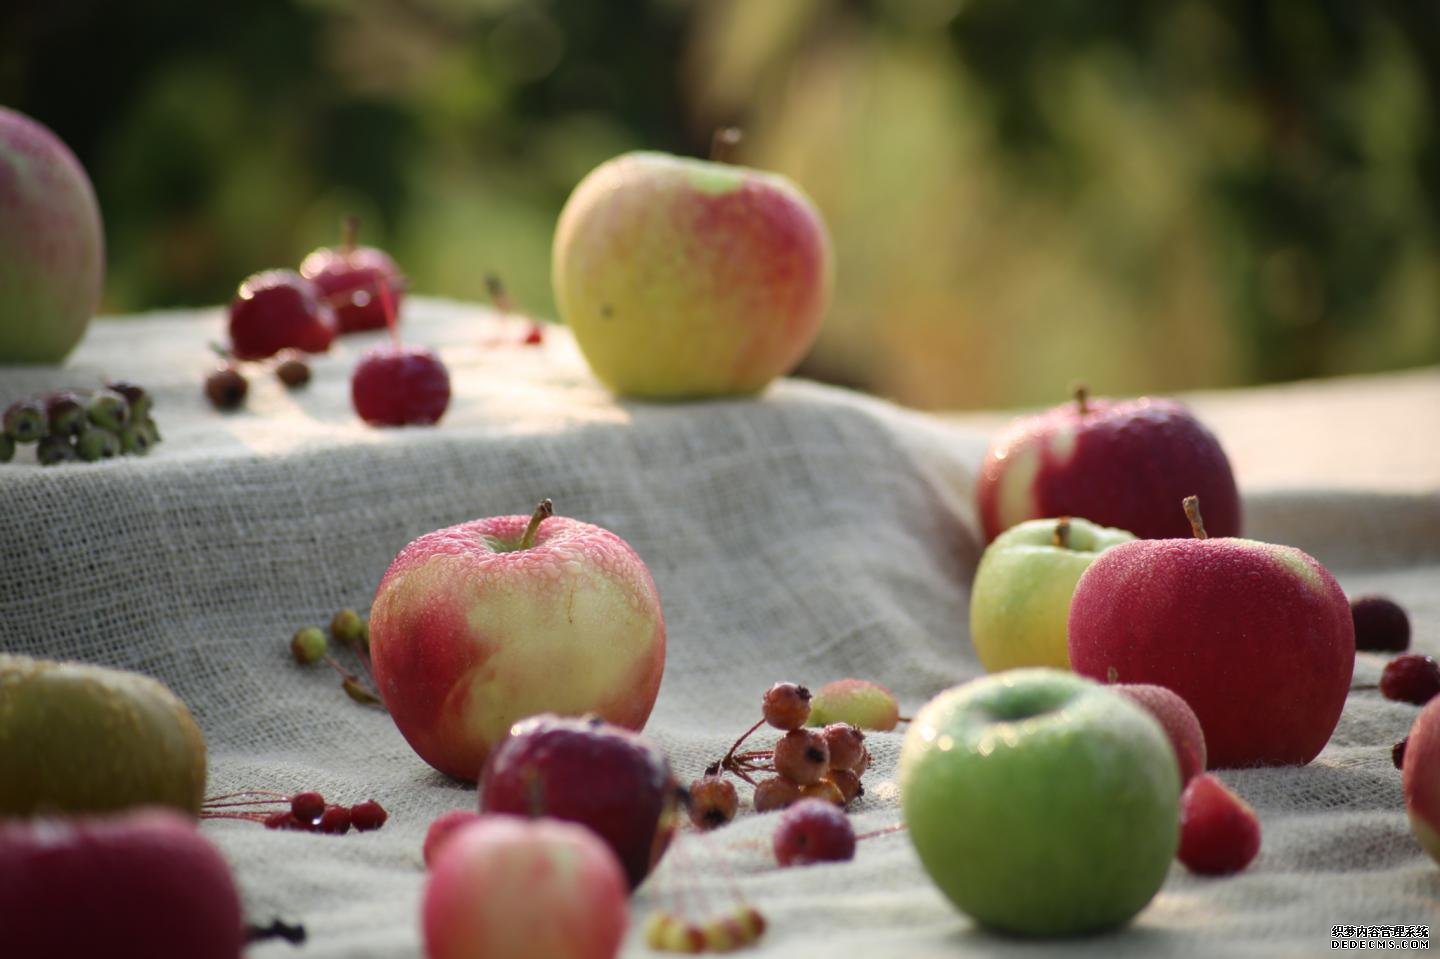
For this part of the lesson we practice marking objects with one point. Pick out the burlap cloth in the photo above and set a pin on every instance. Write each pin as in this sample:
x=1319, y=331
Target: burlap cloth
x=808, y=535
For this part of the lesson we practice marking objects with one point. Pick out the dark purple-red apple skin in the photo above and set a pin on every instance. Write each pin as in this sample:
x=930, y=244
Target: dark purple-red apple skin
x=1256, y=638
x=1121, y=463
x=604, y=777
x=141, y=885
x=341, y=274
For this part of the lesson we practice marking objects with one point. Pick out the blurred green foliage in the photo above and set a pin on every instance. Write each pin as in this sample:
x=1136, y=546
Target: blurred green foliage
x=1149, y=195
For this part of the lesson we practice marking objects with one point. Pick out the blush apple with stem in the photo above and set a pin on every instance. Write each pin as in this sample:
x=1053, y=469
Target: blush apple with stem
x=478, y=626
x=1118, y=463
x=1256, y=638
x=350, y=278
x=398, y=385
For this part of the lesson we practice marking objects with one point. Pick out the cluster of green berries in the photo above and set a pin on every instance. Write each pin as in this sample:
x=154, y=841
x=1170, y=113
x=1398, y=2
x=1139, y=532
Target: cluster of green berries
x=72, y=425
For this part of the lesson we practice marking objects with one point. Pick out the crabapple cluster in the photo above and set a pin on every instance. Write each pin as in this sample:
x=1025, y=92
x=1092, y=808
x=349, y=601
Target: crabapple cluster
x=70, y=426
x=306, y=811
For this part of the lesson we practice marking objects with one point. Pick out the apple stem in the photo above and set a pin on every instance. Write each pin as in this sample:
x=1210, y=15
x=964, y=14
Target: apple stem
x=1081, y=392
x=1192, y=513
x=1062, y=532
x=387, y=303
x=723, y=143
x=544, y=511
x=349, y=232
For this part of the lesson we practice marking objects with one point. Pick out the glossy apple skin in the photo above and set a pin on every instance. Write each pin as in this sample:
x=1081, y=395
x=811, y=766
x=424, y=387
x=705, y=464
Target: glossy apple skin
x=1256, y=638
x=1420, y=778
x=608, y=779
x=1040, y=803
x=1122, y=463
x=276, y=310
x=350, y=279
x=140, y=884
x=465, y=640
x=1020, y=600
x=504, y=887
x=1178, y=720
x=52, y=246
x=682, y=278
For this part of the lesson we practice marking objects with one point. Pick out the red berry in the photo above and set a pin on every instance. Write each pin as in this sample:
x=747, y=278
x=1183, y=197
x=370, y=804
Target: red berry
x=536, y=336
x=1411, y=678
x=1380, y=624
x=335, y=819
x=847, y=782
x=400, y=385
x=368, y=815
x=1397, y=753
x=813, y=830
x=291, y=369
x=847, y=746
x=802, y=756
x=713, y=802
x=776, y=793
x=786, y=706
x=284, y=819
x=307, y=806
x=278, y=309
x=1219, y=833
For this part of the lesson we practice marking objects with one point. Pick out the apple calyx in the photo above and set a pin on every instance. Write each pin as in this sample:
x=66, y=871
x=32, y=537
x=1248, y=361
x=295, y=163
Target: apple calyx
x=1192, y=513
x=544, y=511
x=1081, y=392
x=723, y=143
x=1062, y=532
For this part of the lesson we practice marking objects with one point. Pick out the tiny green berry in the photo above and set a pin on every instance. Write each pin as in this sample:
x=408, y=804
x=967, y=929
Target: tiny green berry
x=135, y=440
x=25, y=421
x=346, y=626
x=95, y=443
x=56, y=448
x=108, y=409
x=135, y=395
x=308, y=645
x=66, y=412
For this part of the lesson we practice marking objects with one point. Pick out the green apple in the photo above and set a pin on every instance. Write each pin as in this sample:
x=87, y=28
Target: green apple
x=685, y=278
x=1041, y=803
x=1020, y=602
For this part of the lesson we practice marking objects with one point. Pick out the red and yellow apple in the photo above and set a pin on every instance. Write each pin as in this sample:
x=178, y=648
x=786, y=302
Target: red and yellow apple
x=1256, y=638
x=52, y=247
x=686, y=278
x=504, y=887
x=1120, y=463
x=1421, y=778
x=480, y=625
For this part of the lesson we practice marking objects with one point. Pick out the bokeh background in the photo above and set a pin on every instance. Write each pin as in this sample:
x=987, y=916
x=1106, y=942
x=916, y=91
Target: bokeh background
x=1153, y=196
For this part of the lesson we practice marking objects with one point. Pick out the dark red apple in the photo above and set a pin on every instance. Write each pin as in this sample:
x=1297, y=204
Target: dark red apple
x=279, y=309
x=142, y=884
x=1120, y=463
x=395, y=385
x=350, y=279
x=612, y=780
x=1256, y=638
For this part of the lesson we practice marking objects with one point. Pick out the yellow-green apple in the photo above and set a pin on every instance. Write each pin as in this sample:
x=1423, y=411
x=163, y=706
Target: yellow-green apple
x=1120, y=463
x=1020, y=600
x=504, y=887
x=1177, y=719
x=686, y=278
x=1256, y=638
x=52, y=247
x=477, y=626
x=141, y=883
x=613, y=781
x=1421, y=778
x=1041, y=803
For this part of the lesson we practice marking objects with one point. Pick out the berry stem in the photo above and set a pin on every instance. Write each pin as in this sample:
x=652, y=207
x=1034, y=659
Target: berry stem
x=387, y=303
x=744, y=736
x=898, y=827
x=498, y=296
x=1192, y=513
x=723, y=143
x=544, y=511
x=1081, y=392
x=349, y=232
x=1062, y=532
x=278, y=929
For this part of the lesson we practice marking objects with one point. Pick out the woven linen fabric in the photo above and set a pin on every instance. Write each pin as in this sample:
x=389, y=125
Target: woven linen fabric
x=808, y=534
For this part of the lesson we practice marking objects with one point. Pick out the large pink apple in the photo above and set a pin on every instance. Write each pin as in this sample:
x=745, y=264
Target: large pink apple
x=1421, y=778
x=480, y=625
x=1256, y=638
x=504, y=887
x=1120, y=463
x=143, y=883
x=686, y=278
x=52, y=248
